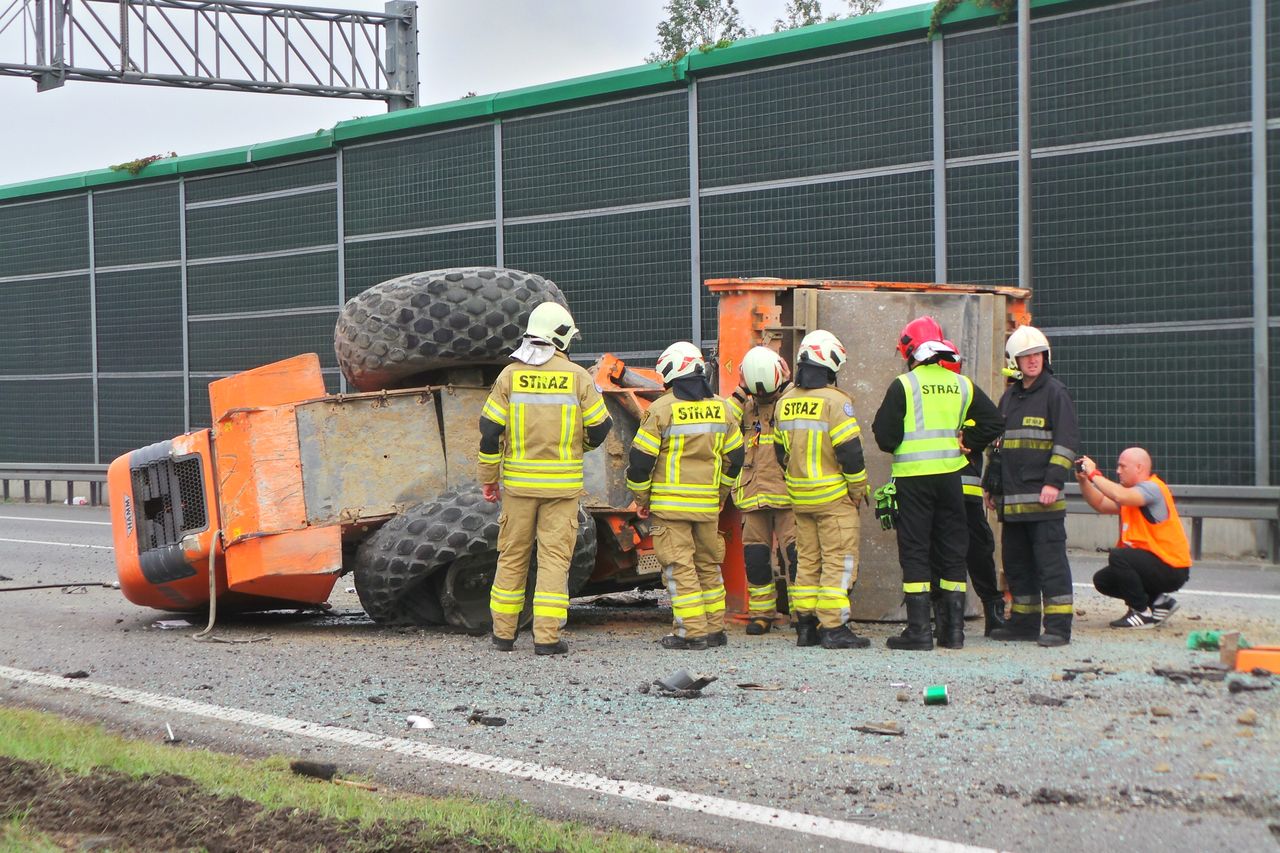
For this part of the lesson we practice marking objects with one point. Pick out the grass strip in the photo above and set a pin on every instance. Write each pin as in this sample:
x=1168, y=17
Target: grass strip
x=81, y=748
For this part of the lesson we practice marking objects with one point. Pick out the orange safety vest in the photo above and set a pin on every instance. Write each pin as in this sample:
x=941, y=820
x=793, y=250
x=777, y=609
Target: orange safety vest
x=1166, y=540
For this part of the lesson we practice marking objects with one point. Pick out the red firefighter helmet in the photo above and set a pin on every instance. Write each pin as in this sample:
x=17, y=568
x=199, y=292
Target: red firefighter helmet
x=917, y=332
x=949, y=364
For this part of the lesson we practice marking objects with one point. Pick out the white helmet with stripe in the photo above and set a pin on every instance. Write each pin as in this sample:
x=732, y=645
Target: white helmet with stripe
x=680, y=359
x=822, y=347
x=763, y=370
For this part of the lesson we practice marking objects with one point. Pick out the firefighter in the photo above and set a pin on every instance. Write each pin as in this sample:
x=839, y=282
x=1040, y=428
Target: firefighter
x=817, y=442
x=920, y=421
x=684, y=461
x=762, y=491
x=1037, y=452
x=542, y=414
x=980, y=558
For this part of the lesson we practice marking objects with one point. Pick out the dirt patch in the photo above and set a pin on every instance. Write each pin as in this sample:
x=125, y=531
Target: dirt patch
x=111, y=811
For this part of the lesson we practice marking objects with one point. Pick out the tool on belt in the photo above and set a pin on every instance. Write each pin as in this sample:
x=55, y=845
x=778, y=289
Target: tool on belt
x=887, y=505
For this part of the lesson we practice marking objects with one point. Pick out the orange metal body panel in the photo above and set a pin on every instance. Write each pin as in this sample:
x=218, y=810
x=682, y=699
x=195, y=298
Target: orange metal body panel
x=188, y=593
x=270, y=549
x=1258, y=657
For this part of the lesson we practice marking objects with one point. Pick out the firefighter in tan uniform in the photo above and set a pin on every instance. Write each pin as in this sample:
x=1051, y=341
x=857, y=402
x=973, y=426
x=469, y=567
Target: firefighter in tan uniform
x=684, y=460
x=542, y=414
x=817, y=441
x=761, y=495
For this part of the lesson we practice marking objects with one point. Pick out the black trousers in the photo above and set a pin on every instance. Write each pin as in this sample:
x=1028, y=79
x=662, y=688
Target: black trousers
x=933, y=534
x=1138, y=576
x=981, y=556
x=1036, y=567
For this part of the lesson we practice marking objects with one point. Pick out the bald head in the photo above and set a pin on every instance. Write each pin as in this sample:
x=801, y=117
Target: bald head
x=1133, y=466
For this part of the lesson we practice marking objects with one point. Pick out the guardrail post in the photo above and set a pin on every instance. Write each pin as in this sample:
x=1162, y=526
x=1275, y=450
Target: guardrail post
x=26, y=491
x=48, y=491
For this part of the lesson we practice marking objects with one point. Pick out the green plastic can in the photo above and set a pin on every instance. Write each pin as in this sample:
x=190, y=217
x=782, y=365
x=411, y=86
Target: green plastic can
x=936, y=694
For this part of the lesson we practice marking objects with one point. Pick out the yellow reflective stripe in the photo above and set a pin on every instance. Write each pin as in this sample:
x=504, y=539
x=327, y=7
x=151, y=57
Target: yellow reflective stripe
x=804, y=597
x=1027, y=444
x=780, y=437
x=567, y=429
x=832, y=598
x=646, y=442
x=814, y=497
x=674, y=452
x=499, y=592
x=683, y=488
x=595, y=413
x=1024, y=608
x=732, y=443
x=506, y=600
x=847, y=430
x=675, y=504
x=713, y=599
x=1057, y=608
x=494, y=412
x=730, y=482
x=505, y=608
x=489, y=458
x=551, y=604
x=764, y=438
x=516, y=433
x=762, y=599
x=859, y=477
x=970, y=489
x=551, y=465
x=639, y=487
x=952, y=586
x=1060, y=461
x=915, y=587
x=1018, y=509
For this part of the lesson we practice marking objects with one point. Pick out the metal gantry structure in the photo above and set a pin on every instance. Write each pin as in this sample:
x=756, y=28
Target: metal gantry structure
x=230, y=45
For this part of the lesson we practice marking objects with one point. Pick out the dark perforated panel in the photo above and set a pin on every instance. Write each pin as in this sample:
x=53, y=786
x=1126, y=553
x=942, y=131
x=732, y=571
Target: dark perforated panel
x=46, y=327
x=369, y=263
x=264, y=179
x=136, y=226
x=140, y=320
x=857, y=112
x=46, y=420
x=44, y=236
x=982, y=224
x=981, y=92
x=136, y=412
x=264, y=284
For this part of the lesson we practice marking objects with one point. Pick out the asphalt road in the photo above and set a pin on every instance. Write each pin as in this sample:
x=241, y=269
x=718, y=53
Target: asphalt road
x=1131, y=759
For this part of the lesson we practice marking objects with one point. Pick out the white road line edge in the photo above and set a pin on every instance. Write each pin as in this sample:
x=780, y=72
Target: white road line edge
x=1253, y=595
x=882, y=839
x=63, y=544
x=52, y=520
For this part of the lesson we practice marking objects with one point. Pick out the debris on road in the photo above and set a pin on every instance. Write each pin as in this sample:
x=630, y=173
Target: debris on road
x=890, y=728
x=171, y=624
x=480, y=718
x=1249, y=717
x=1238, y=686
x=1047, y=701
x=170, y=737
x=936, y=694
x=322, y=770
x=416, y=722
x=1210, y=641
x=1056, y=797
x=1160, y=711
x=680, y=685
x=79, y=673
x=377, y=700
x=751, y=685
x=1194, y=676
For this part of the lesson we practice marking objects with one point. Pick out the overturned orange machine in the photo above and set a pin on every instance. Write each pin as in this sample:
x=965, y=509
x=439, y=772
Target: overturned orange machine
x=292, y=487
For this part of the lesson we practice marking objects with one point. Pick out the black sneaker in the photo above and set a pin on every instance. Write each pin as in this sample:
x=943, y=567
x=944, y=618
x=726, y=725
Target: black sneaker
x=719, y=638
x=559, y=647
x=1162, y=608
x=691, y=644
x=502, y=644
x=1134, y=619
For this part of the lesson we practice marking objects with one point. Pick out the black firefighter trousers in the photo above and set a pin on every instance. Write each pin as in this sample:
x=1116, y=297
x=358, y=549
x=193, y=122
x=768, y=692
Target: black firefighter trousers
x=933, y=532
x=1036, y=568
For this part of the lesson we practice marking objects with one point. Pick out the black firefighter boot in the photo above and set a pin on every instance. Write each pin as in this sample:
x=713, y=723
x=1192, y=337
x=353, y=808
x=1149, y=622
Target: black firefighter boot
x=807, y=630
x=916, y=636
x=952, y=605
x=993, y=615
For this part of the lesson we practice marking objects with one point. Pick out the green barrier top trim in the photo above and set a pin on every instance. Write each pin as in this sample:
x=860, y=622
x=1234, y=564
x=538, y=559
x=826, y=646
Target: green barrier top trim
x=652, y=77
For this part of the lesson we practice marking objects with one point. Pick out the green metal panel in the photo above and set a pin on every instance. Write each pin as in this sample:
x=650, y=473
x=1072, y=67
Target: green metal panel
x=1185, y=396
x=265, y=179
x=982, y=224
x=981, y=86
x=439, y=179
x=46, y=420
x=133, y=413
x=140, y=320
x=264, y=284
x=855, y=112
x=44, y=237
x=1141, y=68
x=136, y=226
x=46, y=327
x=626, y=276
x=375, y=261
x=246, y=342
x=630, y=152
x=1159, y=233
x=265, y=225
x=400, y=121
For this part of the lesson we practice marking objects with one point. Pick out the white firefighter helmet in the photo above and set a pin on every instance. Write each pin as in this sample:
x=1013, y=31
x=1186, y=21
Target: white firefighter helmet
x=552, y=322
x=763, y=370
x=680, y=359
x=1025, y=340
x=822, y=347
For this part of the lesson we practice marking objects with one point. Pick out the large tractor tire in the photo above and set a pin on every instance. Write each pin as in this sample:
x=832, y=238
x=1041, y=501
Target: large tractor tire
x=396, y=333
x=396, y=567
x=464, y=585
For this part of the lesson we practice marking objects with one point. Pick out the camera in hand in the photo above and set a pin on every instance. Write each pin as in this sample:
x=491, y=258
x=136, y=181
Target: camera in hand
x=1078, y=465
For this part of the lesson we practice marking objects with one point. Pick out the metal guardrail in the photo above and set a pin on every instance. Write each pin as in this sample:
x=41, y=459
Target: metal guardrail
x=1247, y=503
x=92, y=475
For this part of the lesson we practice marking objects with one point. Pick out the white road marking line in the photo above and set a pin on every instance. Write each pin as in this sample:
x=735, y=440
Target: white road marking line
x=52, y=520
x=64, y=544
x=881, y=839
x=1254, y=595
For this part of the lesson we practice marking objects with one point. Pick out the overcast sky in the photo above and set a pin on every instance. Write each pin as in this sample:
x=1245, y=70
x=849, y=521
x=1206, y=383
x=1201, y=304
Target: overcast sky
x=464, y=45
